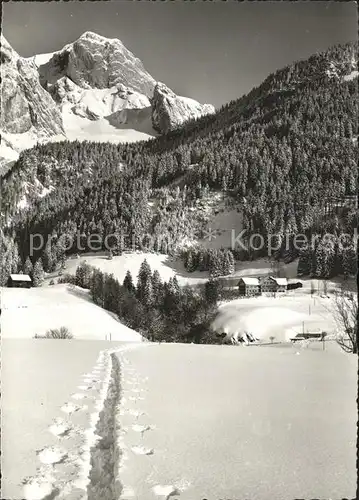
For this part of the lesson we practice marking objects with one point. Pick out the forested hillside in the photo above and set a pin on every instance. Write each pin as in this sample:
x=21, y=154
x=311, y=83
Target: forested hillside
x=283, y=153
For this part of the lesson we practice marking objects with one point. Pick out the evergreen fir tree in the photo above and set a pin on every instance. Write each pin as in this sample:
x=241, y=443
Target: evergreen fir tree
x=38, y=273
x=211, y=291
x=28, y=267
x=144, y=286
x=189, y=262
x=48, y=259
x=157, y=287
x=97, y=287
x=128, y=282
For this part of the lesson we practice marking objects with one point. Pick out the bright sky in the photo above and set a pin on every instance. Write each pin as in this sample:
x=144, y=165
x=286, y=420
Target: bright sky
x=210, y=51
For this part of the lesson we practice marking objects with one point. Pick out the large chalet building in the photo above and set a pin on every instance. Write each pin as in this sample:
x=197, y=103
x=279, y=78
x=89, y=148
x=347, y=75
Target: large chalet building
x=252, y=287
x=249, y=287
x=271, y=284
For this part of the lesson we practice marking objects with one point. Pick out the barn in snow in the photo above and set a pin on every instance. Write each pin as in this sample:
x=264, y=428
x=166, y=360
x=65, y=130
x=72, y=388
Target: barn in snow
x=19, y=281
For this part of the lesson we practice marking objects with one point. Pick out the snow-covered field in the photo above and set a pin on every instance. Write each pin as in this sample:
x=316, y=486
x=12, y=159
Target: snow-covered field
x=52, y=393
x=254, y=423
x=26, y=312
x=189, y=422
x=281, y=317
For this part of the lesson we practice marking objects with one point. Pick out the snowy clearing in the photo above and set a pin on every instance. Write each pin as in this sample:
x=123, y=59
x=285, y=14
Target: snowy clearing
x=26, y=312
x=168, y=267
x=281, y=317
x=119, y=265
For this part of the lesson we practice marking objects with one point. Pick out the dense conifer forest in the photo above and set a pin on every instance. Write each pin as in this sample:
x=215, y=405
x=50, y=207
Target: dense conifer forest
x=160, y=311
x=285, y=154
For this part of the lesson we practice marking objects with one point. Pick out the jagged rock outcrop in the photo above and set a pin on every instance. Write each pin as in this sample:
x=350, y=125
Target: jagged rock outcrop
x=94, y=61
x=169, y=111
x=25, y=105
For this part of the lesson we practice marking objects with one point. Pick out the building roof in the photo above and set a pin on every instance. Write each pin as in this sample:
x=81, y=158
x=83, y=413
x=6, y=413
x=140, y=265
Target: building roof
x=20, y=277
x=250, y=281
x=280, y=281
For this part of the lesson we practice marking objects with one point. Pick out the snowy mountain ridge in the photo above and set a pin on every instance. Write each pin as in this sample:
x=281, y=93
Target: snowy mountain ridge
x=92, y=89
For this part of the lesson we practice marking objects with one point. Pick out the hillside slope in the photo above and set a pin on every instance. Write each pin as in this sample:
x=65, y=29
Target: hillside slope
x=26, y=312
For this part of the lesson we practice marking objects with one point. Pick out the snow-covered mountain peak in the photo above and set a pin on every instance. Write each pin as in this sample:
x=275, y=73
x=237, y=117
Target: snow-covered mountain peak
x=93, y=61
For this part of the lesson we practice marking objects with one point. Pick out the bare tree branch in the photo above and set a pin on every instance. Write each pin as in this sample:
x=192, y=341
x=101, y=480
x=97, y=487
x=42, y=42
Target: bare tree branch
x=345, y=314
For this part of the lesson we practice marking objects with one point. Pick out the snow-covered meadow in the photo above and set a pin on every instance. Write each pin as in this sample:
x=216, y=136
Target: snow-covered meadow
x=281, y=317
x=53, y=392
x=168, y=267
x=178, y=421
x=26, y=312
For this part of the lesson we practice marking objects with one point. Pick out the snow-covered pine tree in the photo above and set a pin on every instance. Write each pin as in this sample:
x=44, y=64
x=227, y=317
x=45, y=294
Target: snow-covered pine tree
x=83, y=275
x=202, y=260
x=112, y=290
x=189, y=262
x=38, y=273
x=350, y=262
x=28, y=267
x=144, y=288
x=97, y=287
x=15, y=259
x=157, y=287
x=128, y=282
x=48, y=258
x=211, y=291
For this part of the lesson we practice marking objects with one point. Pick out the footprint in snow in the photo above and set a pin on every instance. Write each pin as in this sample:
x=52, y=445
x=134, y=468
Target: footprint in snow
x=141, y=428
x=136, y=398
x=78, y=395
x=38, y=488
x=138, y=390
x=51, y=455
x=141, y=450
x=135, y=413
x=166, y=491
x=127, y=493
x=61, y=429
x=91, y=380
x=70, y=408
x=86, y=387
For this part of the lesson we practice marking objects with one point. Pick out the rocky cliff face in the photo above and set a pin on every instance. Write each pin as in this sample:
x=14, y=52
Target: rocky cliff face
x=94, y=61
x=169, y=111
x=25, y=105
